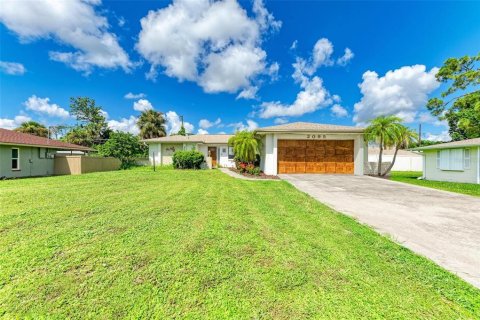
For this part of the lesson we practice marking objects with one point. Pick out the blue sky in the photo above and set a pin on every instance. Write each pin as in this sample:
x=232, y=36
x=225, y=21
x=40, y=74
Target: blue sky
x=230, y=65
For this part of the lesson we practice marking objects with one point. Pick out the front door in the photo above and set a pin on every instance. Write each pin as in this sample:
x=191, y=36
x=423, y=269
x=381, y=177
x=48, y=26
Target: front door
x=212, y=153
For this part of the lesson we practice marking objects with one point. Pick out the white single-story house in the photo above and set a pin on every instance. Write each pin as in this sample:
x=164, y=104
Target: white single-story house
x=405, y=161
x=457, y=161
x=298, y=147
x=213, y=146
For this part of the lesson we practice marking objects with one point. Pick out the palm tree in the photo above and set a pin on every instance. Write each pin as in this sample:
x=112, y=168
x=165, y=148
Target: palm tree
x=405, y=137
x=246, y=145
x=151, y=124
x=384, y=130
x=33, y=127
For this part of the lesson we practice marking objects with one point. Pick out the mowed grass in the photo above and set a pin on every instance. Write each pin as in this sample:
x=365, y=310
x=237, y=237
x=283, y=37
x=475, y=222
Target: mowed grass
x=203, y=245
x=412, y=178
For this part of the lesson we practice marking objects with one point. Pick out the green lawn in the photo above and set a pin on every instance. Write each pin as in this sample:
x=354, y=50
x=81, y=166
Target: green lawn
x=203, y=245
x=411, y=177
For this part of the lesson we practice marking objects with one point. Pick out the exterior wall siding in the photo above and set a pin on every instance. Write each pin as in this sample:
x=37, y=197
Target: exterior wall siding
x=32, y=164
x=431, y=172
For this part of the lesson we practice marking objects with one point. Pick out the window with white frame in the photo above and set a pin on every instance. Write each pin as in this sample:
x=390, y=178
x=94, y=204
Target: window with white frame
x=15, y=159
x=451, y=159
x=231, y=155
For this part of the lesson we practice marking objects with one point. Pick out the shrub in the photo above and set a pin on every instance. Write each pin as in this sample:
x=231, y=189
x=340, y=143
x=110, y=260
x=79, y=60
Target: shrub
x=248, y=167
x=188, y=159
x=123, y=146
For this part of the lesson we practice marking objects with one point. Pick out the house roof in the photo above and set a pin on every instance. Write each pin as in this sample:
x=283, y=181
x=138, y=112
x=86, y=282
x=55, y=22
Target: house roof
x=455, y=144
x=194, y=138
x=311, y=127
x=10, y=137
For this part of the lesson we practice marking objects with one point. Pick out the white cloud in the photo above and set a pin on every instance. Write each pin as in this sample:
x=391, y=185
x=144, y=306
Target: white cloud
x=322, y=51
x=240, y=126
x=11, y=124
x=213, y=43
x=202, y=131
x=205, y=124
x=339, y=111
x=74, y=23
x=248, y=93
x=294, y=45
x=313, y=97
x=12, y=68
x=135, y=96
x=232, y=68
x=142, y=105
x=443, y=136
x=125, y=125
x=401, y=92
x=426, y=117
x=347, y=56
x=280, y=121
x=43, y=106
x=174, y=123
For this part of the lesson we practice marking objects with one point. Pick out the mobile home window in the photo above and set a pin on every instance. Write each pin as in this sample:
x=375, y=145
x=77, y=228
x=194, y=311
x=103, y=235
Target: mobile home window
x=230, y=153
x=466, y=159
x=15, y=159
x=451, y=159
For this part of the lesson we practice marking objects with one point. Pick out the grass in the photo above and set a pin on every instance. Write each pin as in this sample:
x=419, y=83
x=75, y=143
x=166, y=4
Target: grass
x=412, y=178
x=203, y=245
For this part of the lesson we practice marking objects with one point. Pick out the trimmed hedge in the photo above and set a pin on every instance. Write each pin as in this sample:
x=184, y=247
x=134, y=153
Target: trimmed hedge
x=188, y=159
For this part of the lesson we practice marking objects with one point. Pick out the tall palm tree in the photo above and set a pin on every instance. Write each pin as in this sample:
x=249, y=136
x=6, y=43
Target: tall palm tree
x=151, y=124
x=246, y=145
x=33, y=127
x=403, y=139
x=384, y=130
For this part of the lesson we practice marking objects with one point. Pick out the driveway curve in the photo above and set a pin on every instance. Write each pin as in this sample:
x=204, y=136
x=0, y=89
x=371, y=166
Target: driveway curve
x=441, y=225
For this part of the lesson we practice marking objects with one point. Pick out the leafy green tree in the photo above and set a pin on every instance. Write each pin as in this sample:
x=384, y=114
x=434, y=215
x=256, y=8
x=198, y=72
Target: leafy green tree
x=151, y=124
x=384, y=130
x=462, y=112
x=92, y=128
x=35, y=128
x=123, y=146
x=246, y=145
x=404, y=138
x=182, y=131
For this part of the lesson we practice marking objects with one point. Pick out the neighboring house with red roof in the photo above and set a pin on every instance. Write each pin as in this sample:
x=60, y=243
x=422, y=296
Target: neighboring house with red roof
x=26, y=155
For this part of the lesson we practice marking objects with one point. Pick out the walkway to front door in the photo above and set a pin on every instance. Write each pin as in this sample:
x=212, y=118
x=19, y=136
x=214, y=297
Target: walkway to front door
x=440, y=225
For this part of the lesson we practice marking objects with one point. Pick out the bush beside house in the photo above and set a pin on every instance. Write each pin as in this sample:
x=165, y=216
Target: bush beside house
x=188, y=159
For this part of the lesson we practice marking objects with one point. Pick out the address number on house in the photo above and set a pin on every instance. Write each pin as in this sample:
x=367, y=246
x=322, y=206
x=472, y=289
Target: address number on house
x=316, y=136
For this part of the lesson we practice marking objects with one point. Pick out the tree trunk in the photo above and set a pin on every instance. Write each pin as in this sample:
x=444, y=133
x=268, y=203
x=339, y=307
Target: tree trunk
x=380, y=158
x=393, y=161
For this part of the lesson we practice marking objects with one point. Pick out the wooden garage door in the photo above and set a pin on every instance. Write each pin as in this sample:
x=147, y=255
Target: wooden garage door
x=315, y=156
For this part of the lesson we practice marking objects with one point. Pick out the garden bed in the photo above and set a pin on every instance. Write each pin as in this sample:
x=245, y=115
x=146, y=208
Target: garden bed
x=262, y=175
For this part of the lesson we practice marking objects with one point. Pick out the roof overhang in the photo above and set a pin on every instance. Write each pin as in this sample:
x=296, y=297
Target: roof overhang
x=46, y=146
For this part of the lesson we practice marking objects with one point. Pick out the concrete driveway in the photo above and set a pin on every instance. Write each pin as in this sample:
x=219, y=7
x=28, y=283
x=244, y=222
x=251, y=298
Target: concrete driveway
x=440, y=225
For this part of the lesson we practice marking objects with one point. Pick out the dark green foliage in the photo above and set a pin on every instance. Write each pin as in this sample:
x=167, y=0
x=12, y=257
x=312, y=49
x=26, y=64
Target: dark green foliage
x=188, y=159
x=34, y=128
x=182, y=131
x=123, y=146
x=463, y=111
x=246, y=145
x=151, y=124
x=92, y=128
